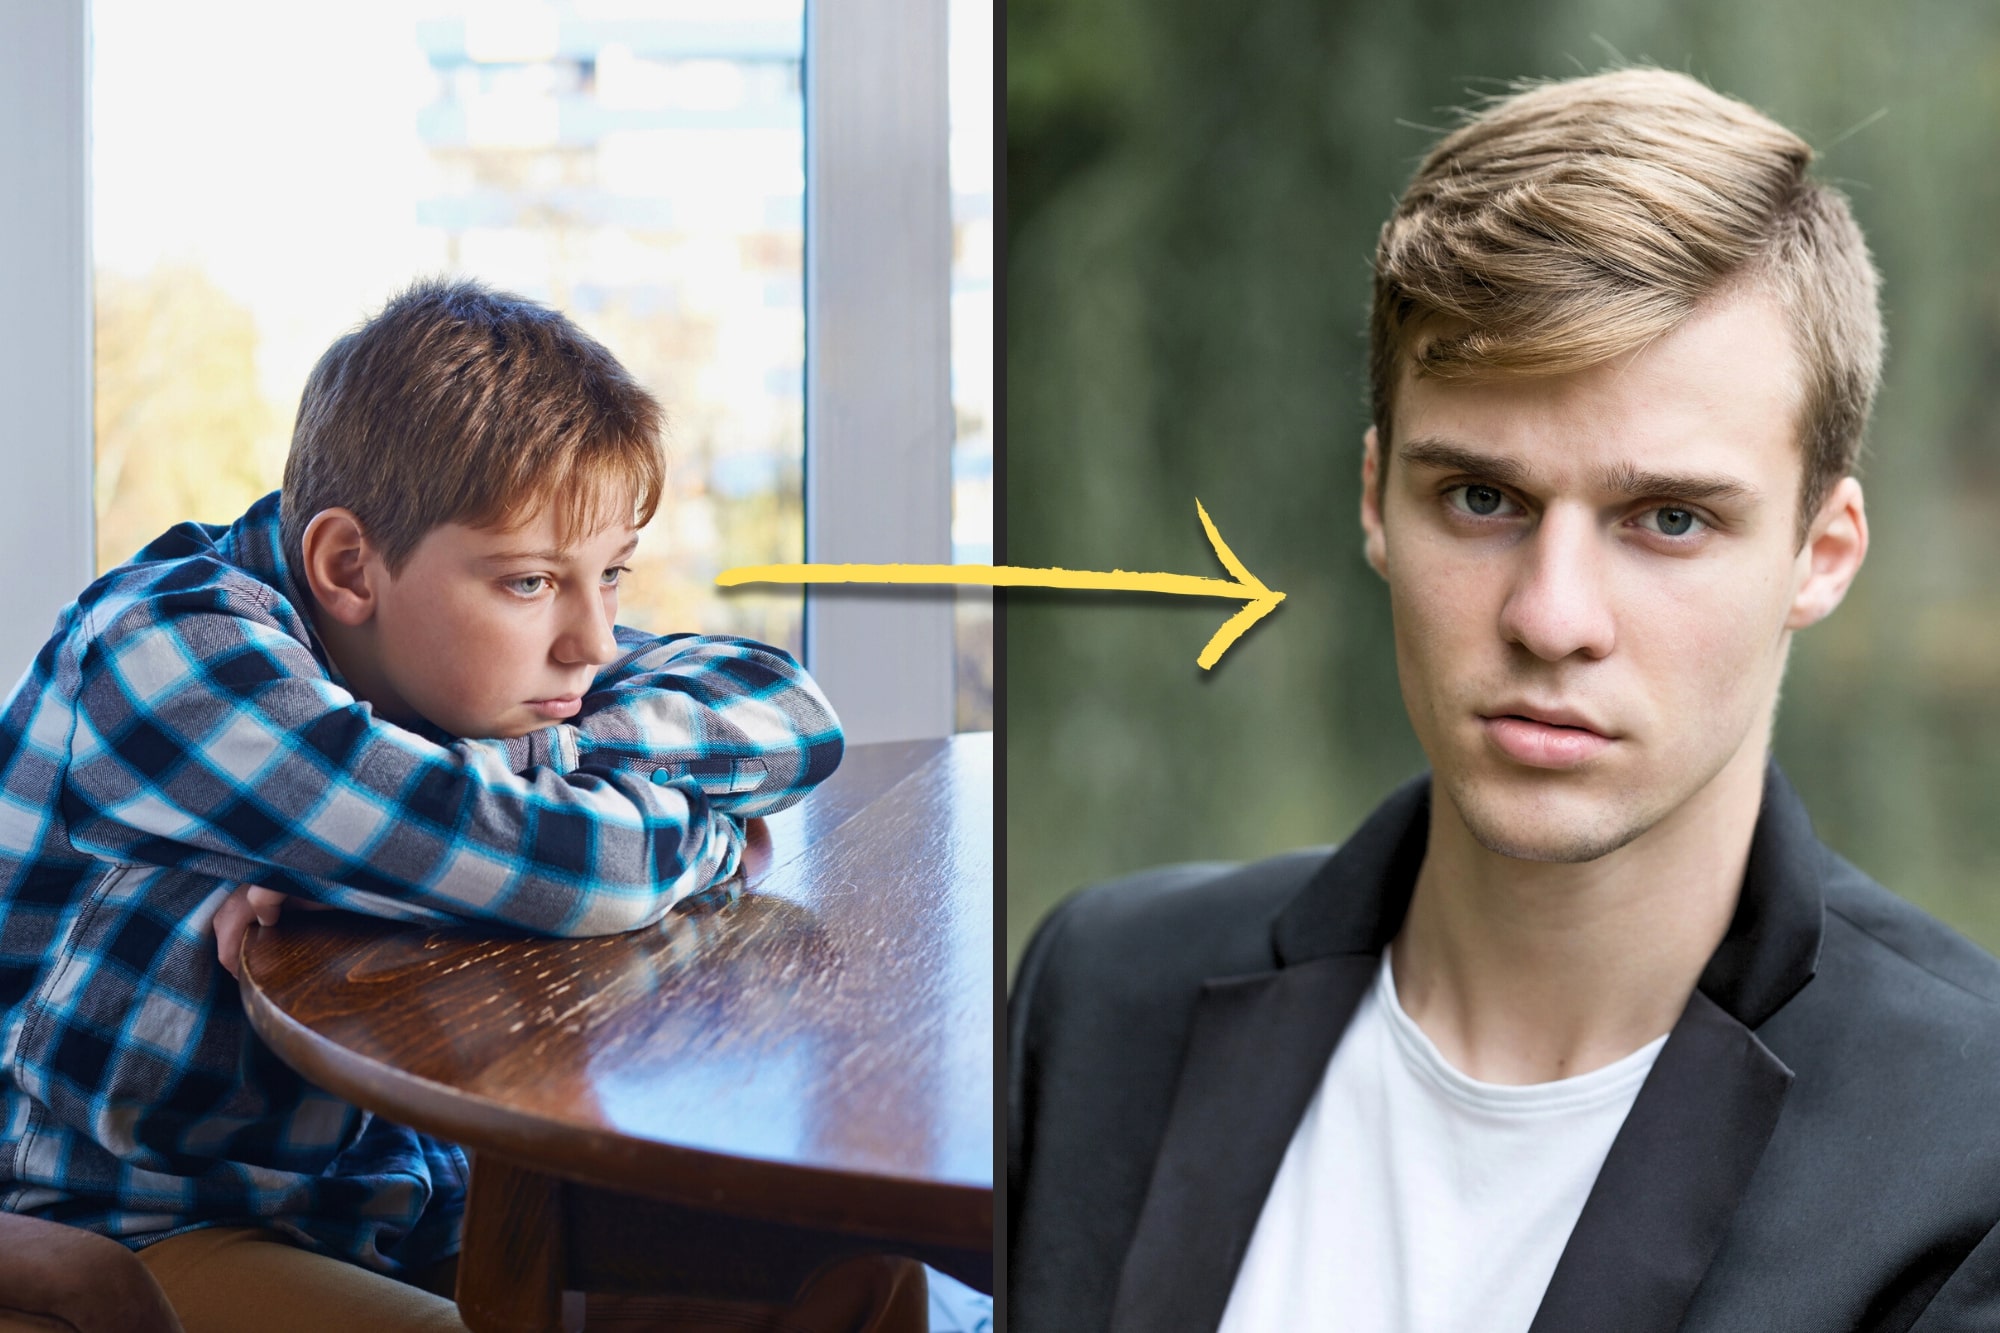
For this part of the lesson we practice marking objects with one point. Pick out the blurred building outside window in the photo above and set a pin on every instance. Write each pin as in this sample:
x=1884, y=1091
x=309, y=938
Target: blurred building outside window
x=972, y=130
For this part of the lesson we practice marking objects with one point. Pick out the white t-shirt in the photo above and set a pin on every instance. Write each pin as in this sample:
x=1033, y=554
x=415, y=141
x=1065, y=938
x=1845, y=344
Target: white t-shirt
x=1416, y=1200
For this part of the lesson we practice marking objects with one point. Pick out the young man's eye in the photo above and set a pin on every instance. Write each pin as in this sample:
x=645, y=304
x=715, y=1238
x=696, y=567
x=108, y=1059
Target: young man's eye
x=1479, y=501
x=1674, y=521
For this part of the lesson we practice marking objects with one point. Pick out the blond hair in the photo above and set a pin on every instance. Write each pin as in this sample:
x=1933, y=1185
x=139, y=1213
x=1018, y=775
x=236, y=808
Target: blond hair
x=1575, y=221
x=460, y=404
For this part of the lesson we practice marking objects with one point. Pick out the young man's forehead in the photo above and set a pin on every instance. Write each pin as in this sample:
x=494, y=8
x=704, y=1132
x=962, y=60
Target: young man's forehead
x=1713, y=404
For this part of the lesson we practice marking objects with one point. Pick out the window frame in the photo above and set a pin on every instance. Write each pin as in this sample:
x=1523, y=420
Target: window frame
x=45, y=343
x=879, y=424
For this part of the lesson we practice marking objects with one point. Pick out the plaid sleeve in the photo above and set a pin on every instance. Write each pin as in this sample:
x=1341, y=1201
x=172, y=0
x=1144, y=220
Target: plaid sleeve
x=209, y=739
x=739, y=719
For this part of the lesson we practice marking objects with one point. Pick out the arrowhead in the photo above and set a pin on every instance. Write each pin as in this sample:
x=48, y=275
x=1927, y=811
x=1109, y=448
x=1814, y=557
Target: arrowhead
x=1262, y=600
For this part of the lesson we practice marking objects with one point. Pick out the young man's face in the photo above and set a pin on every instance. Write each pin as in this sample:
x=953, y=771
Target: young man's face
x=1595, y=576
x=491, y=633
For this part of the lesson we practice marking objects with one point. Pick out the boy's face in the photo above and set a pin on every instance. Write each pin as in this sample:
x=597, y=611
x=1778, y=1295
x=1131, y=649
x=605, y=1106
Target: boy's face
x=1594, y=578
x=489, y=633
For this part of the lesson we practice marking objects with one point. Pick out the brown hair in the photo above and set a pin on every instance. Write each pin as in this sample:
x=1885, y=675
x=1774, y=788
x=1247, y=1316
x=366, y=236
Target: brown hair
x=1571, y=222
x=460, y=404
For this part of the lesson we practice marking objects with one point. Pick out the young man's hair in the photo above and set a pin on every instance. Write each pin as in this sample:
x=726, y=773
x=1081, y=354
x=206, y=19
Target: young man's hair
x=1572, y=222
x=460, y=404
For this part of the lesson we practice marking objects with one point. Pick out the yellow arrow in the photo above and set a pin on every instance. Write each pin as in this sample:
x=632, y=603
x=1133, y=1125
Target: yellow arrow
x=1259, y=600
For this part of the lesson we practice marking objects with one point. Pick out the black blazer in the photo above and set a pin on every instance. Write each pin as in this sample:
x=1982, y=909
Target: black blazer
x=1817, y=1147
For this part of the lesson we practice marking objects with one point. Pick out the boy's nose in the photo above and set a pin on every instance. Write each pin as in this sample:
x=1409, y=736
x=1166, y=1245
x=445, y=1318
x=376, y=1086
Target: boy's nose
x=587, y=636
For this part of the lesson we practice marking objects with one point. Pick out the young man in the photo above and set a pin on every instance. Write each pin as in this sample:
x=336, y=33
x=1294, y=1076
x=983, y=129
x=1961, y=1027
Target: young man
x=1584, y=1030
x=394, y=687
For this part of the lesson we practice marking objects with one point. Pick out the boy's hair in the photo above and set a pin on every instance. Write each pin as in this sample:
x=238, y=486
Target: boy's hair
x=460, y=404
x=1572, y=222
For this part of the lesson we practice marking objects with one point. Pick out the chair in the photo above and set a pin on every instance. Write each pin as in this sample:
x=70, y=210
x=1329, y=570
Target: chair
x=70, y=1278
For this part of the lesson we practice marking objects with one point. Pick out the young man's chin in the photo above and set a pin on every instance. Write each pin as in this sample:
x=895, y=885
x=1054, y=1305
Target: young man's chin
x=1532, y=815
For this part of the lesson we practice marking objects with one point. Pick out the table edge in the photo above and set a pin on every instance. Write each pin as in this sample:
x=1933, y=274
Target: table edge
x=954, y=1213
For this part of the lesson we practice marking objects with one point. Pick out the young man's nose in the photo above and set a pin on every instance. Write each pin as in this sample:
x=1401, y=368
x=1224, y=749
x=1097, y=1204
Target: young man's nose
x=1559, y=603
x=586, y=631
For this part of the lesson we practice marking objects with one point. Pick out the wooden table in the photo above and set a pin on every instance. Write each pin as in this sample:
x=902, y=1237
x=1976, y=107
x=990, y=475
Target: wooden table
x=716, y=1105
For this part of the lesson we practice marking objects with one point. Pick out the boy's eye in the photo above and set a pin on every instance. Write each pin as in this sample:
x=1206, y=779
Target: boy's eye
x=613, y=576
x=527, y=586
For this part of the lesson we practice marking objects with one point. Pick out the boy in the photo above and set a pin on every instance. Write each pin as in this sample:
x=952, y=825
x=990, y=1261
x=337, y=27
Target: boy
x=395, y=687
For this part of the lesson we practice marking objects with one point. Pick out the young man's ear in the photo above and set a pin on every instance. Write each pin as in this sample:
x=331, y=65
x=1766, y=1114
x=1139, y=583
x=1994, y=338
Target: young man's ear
x=1835, y=546
x=1372, y=544
x=339, y=566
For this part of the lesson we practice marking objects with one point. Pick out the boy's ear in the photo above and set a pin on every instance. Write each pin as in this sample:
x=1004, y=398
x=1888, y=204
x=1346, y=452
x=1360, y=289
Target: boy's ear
x=338, y=560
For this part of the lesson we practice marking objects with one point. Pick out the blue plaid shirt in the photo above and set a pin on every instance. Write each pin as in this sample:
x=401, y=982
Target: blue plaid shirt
x=183, y=733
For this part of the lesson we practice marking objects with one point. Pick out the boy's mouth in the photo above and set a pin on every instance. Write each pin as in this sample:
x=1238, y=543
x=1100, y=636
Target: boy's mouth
x=558, y=708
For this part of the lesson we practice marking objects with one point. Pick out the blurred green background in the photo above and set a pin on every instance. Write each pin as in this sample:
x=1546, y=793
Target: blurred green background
x=1193, y=193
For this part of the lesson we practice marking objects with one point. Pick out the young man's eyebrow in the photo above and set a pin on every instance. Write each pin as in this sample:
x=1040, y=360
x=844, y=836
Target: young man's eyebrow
x=1695, y=487
x=1445, y=456
x=554, y=555
x=1622, y=479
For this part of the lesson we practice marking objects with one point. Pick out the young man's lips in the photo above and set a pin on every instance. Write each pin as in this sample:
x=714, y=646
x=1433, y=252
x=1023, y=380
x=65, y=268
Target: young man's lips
x=1540, y=744
x=563, y=707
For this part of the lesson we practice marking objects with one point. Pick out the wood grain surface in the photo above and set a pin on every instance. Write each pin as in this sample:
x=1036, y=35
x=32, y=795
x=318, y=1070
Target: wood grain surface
x=814, y=1051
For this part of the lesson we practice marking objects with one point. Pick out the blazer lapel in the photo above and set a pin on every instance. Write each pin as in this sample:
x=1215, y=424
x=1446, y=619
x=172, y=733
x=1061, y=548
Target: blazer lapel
x=1669, y=1185
x=1688, y=1148
x=1256, y=1053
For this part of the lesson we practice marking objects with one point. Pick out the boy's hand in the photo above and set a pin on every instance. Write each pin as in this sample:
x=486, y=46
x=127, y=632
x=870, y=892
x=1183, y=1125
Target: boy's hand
x=247, y=904
x=756, y=849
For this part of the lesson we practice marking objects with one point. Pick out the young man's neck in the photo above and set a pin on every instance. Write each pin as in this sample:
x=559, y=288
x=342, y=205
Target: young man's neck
x=1526, y=972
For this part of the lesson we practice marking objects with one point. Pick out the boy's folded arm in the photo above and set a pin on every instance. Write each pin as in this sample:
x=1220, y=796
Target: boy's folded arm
x=740, y=719
x=209, y=739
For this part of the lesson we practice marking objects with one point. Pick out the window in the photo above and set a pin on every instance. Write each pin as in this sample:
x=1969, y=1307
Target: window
x=374, y=134
x=266, y=175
